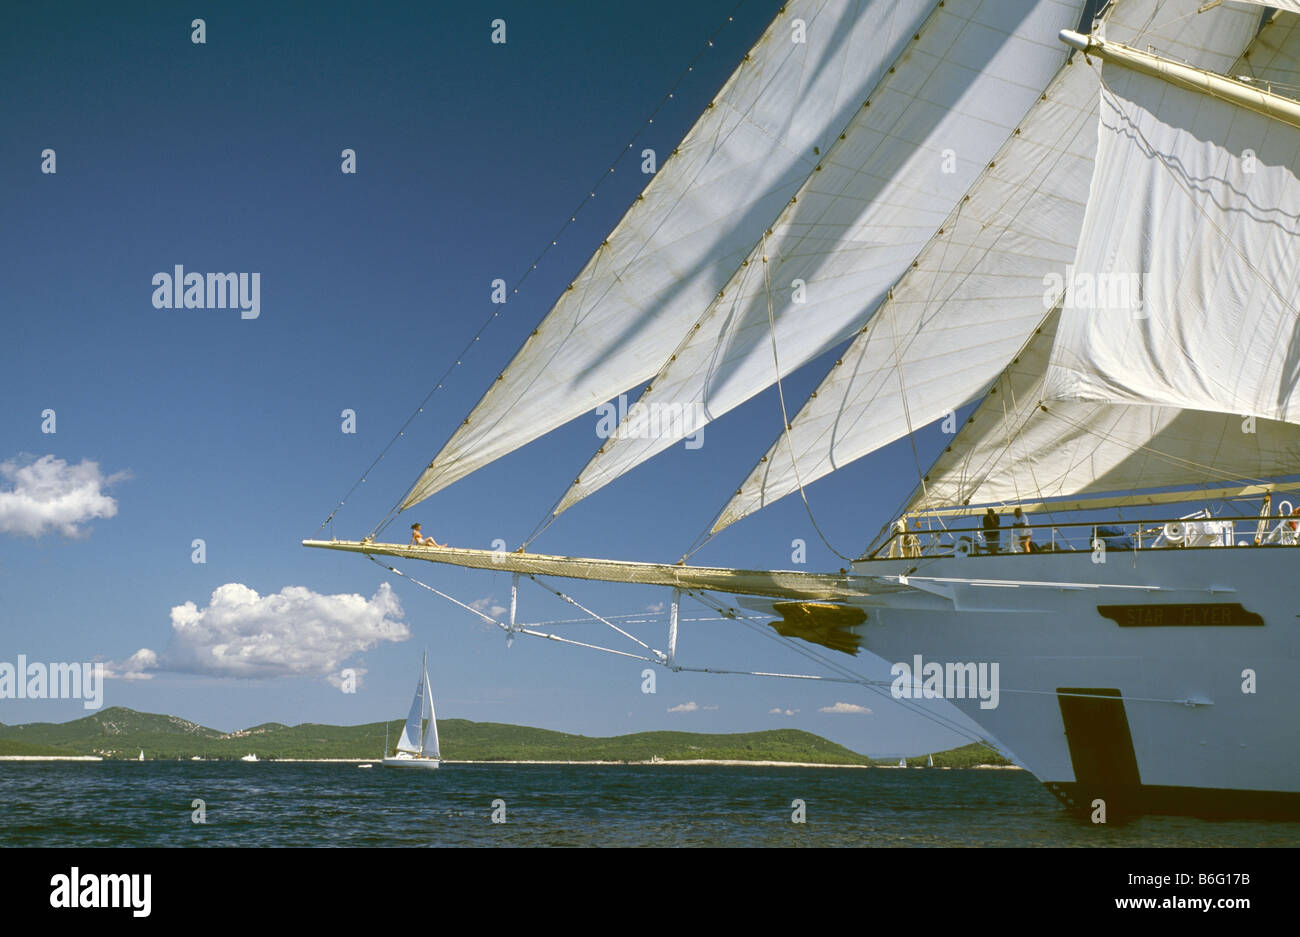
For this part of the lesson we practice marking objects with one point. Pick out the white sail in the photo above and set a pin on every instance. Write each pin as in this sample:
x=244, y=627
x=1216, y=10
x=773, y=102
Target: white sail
x=1273, y=58
x=879, y=194
x=411, y=732
x=429, y=744
x=1016, y=448
x=699, y=217
x=1188, y=250
x=977, y=292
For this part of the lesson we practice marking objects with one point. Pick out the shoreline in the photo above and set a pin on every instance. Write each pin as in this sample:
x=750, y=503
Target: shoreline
x=693, y=762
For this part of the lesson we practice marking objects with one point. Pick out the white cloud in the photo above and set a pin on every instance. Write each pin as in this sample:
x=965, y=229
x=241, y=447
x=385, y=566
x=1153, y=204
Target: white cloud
x=844, y=708
x=778, y=711
x=656, y=607
x=48, y=494
x=295, y=632
x=684, y=707
x=489, y=606
x=134, y=667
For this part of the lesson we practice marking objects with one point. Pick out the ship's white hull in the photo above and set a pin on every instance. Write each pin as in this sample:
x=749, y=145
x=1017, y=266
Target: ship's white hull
x=1210, y=709
x=422, y=764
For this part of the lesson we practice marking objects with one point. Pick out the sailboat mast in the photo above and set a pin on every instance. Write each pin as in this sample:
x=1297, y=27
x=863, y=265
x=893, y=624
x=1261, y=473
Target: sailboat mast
x=425, y=698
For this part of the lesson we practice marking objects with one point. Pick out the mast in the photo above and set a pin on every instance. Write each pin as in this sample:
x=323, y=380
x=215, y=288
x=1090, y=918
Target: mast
x=1186, y=76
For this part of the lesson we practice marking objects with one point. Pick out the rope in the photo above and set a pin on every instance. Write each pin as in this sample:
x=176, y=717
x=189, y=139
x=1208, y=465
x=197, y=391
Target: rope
x=785, y=422
x=574, y=602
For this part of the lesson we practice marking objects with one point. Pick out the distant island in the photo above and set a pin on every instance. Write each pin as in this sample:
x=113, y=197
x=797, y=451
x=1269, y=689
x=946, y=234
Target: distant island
x=118, y=733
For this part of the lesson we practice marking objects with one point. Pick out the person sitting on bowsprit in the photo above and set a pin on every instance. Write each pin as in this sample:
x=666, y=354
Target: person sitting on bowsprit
x=419, y=540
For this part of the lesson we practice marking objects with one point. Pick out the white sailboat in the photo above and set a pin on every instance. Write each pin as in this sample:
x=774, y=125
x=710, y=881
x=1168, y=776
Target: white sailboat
x=1102, y=266
x=418, y=746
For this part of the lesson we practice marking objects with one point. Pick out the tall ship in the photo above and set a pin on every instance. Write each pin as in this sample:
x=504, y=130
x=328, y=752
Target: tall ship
x=1066, y=236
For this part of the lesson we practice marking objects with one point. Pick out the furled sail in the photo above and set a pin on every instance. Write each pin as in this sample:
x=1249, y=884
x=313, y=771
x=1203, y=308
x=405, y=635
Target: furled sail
x=1015, y=448
x=977, y=292
x=876, y=197
x=1187, y=253
x=699, y=217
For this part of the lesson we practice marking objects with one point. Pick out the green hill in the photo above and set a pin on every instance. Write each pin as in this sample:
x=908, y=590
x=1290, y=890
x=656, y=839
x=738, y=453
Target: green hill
x=968, y=756
x=12, y=747
x=118, y=732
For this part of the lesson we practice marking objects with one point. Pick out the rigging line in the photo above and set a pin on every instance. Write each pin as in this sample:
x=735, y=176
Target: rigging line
x=763, y=673
x=1052, y=154
x=785, y=419
x=795, y=242
x=517, y=629
x=574, y=602
x=1172, y=459
x=528, y=630
x=520, y=281
x=902, y=393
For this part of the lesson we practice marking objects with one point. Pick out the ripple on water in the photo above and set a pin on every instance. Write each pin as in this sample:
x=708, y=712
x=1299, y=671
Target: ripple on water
x=150, y=804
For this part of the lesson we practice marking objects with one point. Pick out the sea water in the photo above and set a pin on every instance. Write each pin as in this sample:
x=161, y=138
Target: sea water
x=337, y=804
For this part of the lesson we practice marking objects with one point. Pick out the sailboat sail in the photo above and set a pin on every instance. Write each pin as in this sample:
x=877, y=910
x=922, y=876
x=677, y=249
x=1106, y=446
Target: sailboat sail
x=429, y=743
x=411, y=732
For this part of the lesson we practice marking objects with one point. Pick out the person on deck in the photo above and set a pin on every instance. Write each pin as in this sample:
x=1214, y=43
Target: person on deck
x=992, y=533
x=911, y=542
x=1265, y=512
x=419, y=540
x=1022, y=532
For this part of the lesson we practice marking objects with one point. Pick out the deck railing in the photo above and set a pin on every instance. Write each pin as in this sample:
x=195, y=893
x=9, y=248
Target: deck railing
x=1193, y=531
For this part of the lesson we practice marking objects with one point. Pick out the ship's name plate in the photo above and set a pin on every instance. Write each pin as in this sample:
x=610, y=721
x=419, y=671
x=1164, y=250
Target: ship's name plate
x=1216, y=615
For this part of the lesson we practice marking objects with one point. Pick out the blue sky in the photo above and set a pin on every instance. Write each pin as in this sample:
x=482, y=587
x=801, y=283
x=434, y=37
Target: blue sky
x=225, y=156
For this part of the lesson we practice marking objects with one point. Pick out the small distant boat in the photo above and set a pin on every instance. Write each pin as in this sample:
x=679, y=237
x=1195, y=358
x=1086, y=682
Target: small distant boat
x=902, y=762
x=141, y=758
x=929, y=761
x=365, y=766
x=418, y=746
x=197, y=758
x=250, y=757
